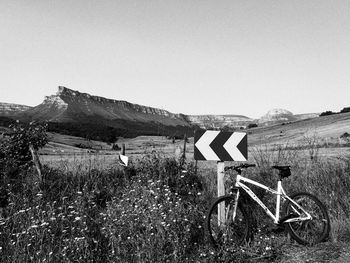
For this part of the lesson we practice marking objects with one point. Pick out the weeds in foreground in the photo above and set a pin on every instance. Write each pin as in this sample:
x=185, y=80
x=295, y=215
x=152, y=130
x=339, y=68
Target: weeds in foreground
x=150, y=212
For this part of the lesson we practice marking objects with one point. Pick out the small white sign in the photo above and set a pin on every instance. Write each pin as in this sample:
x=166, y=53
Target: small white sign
x=123, y=160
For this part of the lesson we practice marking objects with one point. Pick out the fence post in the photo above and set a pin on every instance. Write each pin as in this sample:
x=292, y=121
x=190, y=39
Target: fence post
x=123, y=149
x=36, y=161
x=183, y=157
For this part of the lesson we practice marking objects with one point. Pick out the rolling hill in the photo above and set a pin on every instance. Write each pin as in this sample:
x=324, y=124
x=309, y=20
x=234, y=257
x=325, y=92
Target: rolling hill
x=326, y=129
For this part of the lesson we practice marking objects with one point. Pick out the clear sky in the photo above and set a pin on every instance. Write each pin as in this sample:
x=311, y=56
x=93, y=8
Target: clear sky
x=194, y=57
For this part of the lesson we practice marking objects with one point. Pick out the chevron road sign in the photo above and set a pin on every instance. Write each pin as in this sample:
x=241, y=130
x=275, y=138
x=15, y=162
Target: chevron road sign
x=220, y=146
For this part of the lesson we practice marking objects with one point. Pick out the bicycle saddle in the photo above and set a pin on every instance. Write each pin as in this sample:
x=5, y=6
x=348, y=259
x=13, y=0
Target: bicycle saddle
x=284, y=170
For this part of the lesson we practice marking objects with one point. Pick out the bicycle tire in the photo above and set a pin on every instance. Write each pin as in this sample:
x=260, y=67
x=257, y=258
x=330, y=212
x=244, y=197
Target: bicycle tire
x=312, y=231
x=228, y=233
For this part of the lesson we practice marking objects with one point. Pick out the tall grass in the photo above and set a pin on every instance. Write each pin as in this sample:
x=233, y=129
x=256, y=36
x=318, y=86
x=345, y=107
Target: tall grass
x=151, y=211
x=328, y=179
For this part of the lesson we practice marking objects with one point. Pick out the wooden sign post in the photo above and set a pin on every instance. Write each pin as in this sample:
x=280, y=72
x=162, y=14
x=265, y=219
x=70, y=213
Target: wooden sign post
x=36, y=161
x=122, y=158
x=221, y=191
x=220, y=146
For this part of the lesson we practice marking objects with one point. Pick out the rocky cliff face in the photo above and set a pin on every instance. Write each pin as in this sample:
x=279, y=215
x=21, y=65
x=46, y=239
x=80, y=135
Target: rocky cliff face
x=73, y=106
x=10, y=109
x=277, y=115
x=219, y=121
x=111, y=105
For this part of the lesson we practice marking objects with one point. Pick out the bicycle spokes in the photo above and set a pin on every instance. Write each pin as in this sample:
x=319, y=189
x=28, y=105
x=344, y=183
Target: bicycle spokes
x=229, y=229
x=312, y=223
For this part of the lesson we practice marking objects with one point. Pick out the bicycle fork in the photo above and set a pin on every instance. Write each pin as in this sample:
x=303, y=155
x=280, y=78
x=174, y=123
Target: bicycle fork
x=235, y=205
x=234, y=211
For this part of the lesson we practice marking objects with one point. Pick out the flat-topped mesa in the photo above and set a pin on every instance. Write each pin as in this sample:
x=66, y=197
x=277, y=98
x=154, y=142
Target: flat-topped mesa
x=65, y=94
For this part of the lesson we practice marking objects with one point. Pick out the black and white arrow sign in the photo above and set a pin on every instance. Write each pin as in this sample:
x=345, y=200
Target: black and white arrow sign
x=220, y=146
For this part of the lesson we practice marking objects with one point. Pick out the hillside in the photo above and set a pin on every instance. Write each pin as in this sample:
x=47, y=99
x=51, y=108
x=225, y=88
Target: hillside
x=218, y=121
x=93, y=117
x=72, y=106
x=327, y=129
x=84, y=115
x=10, y=109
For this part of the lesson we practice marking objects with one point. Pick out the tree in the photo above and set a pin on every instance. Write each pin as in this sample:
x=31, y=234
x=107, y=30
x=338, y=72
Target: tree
x=22, y=135
x=346, y=109
x=326, y=113
x=346, y=137
x=252, y=125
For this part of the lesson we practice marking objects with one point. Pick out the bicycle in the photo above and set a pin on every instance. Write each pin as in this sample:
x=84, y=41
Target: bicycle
x=303, y=214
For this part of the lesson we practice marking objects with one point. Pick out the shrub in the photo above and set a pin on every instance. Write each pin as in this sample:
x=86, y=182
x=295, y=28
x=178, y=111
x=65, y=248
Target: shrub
x=345, y=136
x=16, y=147
x=252, y=125
x=326, y=113
x=344, y=110
x=78, y=216
x=116, y=147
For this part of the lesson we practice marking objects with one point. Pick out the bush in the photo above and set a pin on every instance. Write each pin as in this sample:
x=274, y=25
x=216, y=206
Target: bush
x=88, y=215
x=16, y=147
x=344, y=110
x=326, y=113
x=252, y=125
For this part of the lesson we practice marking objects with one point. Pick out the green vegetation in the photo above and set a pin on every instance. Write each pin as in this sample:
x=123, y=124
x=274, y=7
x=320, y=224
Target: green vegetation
x=5, y=121
x=105, y=133
x=326, y=113
x=149, y=212
x=252, y=125
x=344, y=110
x=14, y=150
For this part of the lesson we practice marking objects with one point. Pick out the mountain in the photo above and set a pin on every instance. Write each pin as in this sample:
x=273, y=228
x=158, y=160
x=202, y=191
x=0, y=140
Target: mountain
x=10, y=109
x=69, y=106
x=81, y=114
x=219, y=121
x=72, y=106
x=277, y=116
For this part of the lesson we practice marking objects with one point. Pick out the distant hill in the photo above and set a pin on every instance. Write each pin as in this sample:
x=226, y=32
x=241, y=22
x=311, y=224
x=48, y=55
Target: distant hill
x=326, y=129
x=10, y=109
x=219, y=121
x=81, y=114
x=278, y=116
x=72, y=106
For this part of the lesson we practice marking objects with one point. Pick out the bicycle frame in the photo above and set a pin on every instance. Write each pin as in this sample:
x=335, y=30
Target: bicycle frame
x=279, y=193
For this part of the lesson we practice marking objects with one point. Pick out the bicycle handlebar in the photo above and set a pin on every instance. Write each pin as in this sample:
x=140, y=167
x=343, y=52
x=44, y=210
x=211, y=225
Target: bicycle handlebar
x=239, y=167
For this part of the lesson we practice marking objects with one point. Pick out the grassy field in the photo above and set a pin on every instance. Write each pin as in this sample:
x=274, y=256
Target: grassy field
x=320, y=135
x=87, y=211
x=88, y=208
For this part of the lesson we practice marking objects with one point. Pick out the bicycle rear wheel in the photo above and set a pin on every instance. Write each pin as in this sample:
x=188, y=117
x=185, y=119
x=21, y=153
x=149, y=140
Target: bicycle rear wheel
x=312, y=231
x=225, y=230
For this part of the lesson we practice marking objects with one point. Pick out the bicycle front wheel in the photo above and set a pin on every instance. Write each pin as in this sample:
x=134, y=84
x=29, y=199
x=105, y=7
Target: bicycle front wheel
x=224, y=229
x=311, y=231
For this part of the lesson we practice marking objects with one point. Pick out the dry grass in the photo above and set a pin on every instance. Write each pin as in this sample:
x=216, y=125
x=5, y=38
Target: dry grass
x=90, y=210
